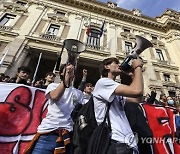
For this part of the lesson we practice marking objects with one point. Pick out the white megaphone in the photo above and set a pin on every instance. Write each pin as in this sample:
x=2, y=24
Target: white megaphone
x=74, y=48
x=140, y=46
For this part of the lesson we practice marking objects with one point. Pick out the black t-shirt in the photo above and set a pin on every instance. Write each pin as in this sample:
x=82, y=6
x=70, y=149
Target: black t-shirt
x=22, y=81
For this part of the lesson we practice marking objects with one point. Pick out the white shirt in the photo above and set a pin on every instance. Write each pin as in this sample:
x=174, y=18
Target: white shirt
x=103, y=93
x=59, y=112
x=86, y=97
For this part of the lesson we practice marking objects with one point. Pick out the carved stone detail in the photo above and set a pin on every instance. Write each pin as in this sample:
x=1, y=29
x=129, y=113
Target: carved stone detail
x=158, y=43
x=128, y=36
x=112, y=5
x=136, y=12
x=57, y=17
x=14, y=7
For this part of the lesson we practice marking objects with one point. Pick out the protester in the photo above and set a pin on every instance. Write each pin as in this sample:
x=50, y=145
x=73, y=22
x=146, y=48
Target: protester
x=163, y=100
x=21, y=76
x=107, y=90
x=87, y=92
x=171, y=102
x=39, y=83
x=86, y=88
x=49, y=78
x=54, y=134
x=83, y=81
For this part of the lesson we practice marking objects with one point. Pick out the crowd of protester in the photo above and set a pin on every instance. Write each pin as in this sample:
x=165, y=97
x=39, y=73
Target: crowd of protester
x=56, y=91
x=22, y=77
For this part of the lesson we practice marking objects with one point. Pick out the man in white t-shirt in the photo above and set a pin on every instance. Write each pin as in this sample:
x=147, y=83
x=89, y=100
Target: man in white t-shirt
x=107, y=90
x=55, y=131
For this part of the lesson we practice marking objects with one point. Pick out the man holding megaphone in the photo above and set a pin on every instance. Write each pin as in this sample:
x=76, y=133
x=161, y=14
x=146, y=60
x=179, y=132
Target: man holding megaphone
x=54, y=134
x=107, y=90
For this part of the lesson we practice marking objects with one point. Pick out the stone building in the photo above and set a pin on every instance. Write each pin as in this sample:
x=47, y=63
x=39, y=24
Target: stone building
x=30, y=27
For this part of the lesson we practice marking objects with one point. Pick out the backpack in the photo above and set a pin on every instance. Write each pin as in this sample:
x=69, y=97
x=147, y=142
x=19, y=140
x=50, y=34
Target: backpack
x=85, y=128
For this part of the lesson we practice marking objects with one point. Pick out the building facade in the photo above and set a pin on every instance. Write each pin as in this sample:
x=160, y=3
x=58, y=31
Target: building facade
x=29, y=28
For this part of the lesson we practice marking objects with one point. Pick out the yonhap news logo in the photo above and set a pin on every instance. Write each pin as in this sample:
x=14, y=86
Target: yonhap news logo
x=134, y=138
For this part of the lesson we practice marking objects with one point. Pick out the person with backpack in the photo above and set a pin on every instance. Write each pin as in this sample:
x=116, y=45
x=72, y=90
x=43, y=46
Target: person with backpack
x=54, y=134
x=108, y=91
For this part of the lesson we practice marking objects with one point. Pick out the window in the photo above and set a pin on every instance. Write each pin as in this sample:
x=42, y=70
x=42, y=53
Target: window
x=159, y=55
x=93, y=39
x=128, y=47
x=154, y=37
x=60, y=13
x=21, y=3
x=172, y=93
x=7, y=19
x=167, y=77
x=53, y=29
x=127, y=30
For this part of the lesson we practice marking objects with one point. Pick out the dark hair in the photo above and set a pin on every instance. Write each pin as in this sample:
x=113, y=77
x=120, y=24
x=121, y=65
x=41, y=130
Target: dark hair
x=102, y=69
x=161, y=95
x=87, y=84
x=50, y=73
x=25, y=69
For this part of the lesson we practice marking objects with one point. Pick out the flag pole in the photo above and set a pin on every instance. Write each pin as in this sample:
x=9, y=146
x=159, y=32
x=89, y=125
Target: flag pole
x=80, y=27
x=4, y=56
x=37, y=66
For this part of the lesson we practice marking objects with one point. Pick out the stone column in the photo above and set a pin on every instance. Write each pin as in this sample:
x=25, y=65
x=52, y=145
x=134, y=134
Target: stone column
x=17, y=63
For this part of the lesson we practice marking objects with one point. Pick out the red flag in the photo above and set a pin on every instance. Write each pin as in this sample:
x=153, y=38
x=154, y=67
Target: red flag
x=89, y=26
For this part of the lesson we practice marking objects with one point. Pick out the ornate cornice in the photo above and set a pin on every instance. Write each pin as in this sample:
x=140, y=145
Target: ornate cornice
x=165, y=64
x=58, y=18
x=14, y=7
x=173, y=36
x=122, y=14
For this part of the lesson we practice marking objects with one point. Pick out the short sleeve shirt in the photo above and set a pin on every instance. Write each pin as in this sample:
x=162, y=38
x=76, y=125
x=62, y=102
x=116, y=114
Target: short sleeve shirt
x=59, y=112
x=104, y=93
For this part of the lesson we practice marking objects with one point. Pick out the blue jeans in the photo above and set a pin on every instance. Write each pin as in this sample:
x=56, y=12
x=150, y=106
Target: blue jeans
x=47, y=143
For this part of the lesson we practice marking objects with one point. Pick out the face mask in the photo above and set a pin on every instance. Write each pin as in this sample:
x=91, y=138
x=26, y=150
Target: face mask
x=171, y=102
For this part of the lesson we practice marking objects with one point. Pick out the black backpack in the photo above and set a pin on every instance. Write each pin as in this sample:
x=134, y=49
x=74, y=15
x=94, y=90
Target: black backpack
x=85, y=127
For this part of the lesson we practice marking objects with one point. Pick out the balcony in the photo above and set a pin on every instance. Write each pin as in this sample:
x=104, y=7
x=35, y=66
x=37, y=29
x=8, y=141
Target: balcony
x=5, y=28
x=97, y=50
x=50, y=37
x=168, y=83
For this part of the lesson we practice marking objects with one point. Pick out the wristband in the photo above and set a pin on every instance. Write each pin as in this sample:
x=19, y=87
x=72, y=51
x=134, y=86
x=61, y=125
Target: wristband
x=138, y=66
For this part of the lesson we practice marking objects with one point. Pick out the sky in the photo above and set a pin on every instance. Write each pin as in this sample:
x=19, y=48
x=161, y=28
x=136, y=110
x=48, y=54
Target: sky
x=151, y=8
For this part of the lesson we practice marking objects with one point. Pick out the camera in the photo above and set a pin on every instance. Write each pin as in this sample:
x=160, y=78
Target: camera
x=82, y=122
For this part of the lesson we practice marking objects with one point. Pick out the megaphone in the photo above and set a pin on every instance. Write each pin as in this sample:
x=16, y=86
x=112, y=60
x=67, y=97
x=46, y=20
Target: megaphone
x=140, y=45
x=74, y=48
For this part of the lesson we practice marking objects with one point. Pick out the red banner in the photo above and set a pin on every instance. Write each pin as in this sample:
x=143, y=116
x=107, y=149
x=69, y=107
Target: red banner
x=21, y=111
x=23, y=107
x=162, y=123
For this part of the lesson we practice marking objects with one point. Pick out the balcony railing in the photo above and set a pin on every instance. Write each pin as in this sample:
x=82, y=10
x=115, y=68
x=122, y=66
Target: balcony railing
x=168, y=83
x=5, y=28
x=50, y=37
